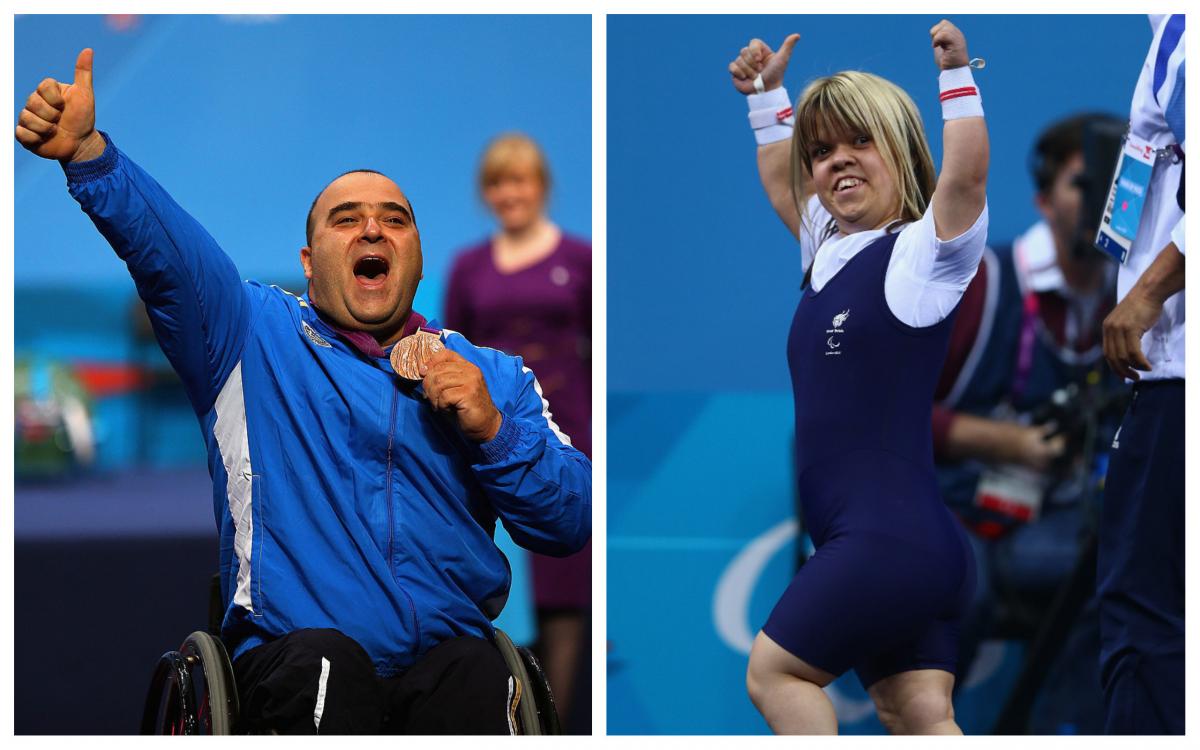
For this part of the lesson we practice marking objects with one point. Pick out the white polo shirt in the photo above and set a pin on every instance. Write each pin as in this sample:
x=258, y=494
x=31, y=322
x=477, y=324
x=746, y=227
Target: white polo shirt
x=1157, y=116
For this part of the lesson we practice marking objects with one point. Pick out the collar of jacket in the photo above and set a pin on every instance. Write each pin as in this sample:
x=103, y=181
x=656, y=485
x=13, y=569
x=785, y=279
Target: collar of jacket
x=364, y=341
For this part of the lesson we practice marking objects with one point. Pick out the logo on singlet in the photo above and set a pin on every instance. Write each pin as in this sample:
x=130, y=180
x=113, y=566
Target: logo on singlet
x=1117, y=438
x=838, y=320
x=315, y=337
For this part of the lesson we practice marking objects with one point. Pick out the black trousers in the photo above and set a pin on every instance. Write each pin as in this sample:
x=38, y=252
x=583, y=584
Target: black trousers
x=1140, y=566
x=322, y=682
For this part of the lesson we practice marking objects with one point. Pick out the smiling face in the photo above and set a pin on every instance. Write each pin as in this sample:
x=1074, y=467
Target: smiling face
x=860, y=147
x=364, y=259
x=516, y=196
x=852, y=181
x=514, y=181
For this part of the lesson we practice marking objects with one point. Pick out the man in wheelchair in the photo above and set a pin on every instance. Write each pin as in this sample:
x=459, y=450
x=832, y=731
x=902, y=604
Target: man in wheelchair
x=360, y=455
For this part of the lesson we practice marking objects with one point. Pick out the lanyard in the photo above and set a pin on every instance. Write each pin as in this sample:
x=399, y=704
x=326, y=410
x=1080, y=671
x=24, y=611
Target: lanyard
x=1031, y=310
x=1025, y=348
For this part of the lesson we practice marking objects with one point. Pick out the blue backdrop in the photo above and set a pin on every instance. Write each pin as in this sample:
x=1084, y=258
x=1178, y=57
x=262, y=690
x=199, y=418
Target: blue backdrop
x=245, y=118
x=703, y=281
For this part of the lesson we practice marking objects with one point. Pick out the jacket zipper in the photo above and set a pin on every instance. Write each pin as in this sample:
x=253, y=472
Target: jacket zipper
x=391, y=517
x=388, y=480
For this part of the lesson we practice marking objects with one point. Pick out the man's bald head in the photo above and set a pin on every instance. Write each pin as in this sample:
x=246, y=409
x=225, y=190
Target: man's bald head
x=311, y=223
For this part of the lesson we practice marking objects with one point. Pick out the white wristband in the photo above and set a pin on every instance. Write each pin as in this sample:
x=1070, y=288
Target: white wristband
x=960, y=98
x=771, y=116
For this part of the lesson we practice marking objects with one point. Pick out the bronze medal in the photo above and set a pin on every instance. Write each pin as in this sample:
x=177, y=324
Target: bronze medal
x=411, y=352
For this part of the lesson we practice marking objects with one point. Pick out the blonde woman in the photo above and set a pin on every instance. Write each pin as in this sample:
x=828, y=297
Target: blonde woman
x=888, y=248
x=527, y=290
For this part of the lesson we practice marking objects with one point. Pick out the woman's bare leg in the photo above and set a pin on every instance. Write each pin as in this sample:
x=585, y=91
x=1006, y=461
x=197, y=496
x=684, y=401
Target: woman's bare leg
x=916, y=702
x=787, y=691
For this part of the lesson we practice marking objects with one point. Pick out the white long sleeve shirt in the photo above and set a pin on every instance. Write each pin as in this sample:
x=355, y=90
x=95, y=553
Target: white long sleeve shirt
x=926, y=276
x=1157, y=117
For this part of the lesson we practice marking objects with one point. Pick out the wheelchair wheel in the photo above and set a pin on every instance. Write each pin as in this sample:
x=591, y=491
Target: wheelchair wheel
x=536, y=713
x=169, y=703
x=542, y=698
x=216, y=693
x=192, y=690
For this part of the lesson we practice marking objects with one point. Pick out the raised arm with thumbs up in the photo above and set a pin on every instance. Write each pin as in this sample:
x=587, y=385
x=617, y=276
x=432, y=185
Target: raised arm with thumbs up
x=774, y=162
x=59, y=119
x=757, y=58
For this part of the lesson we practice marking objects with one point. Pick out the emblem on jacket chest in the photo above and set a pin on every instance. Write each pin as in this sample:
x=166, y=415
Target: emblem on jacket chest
x=315, y=337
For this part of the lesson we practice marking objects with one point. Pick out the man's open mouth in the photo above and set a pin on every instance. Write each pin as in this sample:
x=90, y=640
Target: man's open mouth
x=371, y=268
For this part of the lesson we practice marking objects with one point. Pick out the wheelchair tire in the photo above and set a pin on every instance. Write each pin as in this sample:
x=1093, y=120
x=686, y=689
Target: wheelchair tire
x=542, y=698
x=216, y=698
x=527, y=715
x=169, y=707
x=192, y=690
x=535, y=710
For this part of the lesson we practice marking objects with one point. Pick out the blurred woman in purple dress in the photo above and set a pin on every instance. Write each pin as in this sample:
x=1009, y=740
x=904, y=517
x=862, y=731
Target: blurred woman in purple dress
x=527, y=290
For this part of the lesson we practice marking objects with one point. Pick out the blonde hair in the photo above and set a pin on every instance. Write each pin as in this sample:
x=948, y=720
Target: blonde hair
x=856, y=102
x=508, y=152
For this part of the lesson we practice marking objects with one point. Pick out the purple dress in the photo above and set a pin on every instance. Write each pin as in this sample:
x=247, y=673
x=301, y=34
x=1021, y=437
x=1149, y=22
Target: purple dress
x=542, y=313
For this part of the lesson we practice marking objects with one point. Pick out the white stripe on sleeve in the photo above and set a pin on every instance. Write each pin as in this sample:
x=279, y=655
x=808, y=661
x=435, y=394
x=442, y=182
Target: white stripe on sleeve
x=234, y=445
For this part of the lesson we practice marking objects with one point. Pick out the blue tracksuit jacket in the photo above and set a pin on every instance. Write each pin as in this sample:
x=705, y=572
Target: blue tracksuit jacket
x=343, y=501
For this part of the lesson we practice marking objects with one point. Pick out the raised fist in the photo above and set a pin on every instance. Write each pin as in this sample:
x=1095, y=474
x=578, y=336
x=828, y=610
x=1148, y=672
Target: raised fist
x=59, y=119
x=949, y=46
x=757, y=58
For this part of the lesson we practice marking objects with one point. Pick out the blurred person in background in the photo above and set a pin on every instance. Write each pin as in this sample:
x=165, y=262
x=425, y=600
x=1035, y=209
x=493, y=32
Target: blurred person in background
x=1140, y=571
x=1024, y=405
x=527, y=290
x=888, y=246
x=356, y=508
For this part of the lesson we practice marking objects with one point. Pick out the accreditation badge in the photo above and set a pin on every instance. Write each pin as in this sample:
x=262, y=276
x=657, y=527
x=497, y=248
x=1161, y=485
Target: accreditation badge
x=414, y=350
x=1126, y=198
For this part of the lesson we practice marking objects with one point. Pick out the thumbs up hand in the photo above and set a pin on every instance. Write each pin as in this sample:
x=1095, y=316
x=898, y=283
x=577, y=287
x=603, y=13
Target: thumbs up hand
x=757, y=58
x=59, y=119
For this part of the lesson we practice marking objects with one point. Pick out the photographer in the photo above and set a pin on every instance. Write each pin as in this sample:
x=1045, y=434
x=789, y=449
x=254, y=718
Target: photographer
x=1024, y=399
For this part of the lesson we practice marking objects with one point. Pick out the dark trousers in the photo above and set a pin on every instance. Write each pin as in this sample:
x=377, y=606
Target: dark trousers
x=323, y=682
x=1139, y=574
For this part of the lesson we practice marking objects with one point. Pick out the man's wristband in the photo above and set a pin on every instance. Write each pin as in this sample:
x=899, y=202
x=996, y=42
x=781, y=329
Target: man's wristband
x=771, y=116
x=959, y=95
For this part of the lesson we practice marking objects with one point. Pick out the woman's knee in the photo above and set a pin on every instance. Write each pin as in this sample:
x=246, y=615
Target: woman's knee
x=927, y=709
x=771, y=666
x=765, y=670
x=915, y=713
x=889, y=718
x=758, y=678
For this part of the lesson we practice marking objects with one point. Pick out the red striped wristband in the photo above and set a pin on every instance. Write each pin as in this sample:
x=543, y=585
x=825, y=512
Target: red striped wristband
x=959, y=95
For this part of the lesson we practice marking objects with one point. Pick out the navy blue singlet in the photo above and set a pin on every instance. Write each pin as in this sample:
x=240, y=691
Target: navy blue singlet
x=893, y=573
